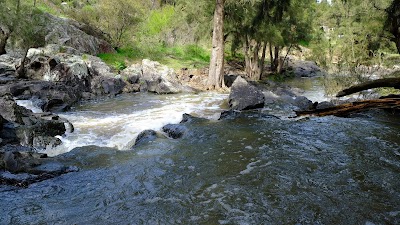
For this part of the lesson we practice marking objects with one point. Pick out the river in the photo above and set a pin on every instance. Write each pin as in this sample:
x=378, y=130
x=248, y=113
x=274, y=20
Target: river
x=248, y=170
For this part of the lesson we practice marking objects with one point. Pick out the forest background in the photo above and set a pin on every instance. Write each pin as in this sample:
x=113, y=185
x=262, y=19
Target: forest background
x=339, y=35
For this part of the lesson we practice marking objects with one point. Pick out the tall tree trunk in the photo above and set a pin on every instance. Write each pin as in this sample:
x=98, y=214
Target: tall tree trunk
x=216, y=72
x=276, y=61
x=254, y=62
x=3, y=41
x=21, y=71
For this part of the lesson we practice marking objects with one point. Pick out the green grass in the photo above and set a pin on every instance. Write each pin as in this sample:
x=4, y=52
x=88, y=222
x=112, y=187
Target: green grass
x=188, y=56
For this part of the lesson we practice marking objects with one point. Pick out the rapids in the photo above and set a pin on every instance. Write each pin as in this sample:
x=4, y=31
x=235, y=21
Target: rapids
x=252, y=169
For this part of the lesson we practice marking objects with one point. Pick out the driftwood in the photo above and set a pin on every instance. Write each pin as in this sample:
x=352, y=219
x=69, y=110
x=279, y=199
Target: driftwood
x=354, y=107
x=385, y=82
x=388, y=102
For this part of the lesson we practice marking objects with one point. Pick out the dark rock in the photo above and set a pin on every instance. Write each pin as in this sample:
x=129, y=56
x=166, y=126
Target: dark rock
x=303, y=103
x=134, y=79
x=28, y=129
x=324, y=105
x=145, y=137
x=304, y=68
x=174, y=131
x=107, y=86
x=17, y=162
x=52, y=96
x=245, y=96
x=229, y=79
x=10, y=111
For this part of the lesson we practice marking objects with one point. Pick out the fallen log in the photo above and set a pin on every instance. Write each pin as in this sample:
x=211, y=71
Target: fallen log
x=385, y=82
x=354, y=107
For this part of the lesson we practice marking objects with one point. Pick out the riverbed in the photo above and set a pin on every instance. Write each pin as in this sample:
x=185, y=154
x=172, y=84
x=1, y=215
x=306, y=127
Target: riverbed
x=252, y=169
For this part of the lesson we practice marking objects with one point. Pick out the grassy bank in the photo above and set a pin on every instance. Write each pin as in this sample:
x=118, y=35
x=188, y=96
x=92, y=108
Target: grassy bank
x=188, y=56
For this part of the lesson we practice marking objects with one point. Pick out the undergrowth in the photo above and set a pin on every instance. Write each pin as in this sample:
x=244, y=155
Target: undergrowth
x=189, y=56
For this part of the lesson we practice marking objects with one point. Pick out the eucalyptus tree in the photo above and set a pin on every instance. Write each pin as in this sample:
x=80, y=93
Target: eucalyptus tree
x=262, y=25
x=392, y=23
x=28, y=32
x=216, y=70
x=7, y=15
x=22, y=25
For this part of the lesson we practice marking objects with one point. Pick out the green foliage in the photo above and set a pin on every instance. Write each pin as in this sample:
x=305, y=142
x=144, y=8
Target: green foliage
x=189, y=56
x=159, y=20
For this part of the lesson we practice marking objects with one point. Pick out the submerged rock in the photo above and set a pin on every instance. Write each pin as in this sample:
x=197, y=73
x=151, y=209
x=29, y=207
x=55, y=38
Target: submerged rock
x=245, y=96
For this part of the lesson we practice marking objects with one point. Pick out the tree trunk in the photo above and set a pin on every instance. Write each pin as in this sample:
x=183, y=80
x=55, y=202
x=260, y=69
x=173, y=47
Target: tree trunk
x=276, y=66
x=398, y=44
x=385, y=82
x=216, y=72
x=254, y=62
x=21, y=71
x=354, y=107
x=4, y=35
x=3, y=42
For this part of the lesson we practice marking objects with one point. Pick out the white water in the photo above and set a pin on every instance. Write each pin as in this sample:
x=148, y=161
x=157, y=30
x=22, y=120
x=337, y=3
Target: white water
x=116, y=123
x=29, y=105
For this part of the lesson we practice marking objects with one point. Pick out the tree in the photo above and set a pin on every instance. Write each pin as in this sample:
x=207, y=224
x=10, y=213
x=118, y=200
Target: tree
x=26, y=30
x=114, y=17
x=392, y=23
x=262, y=25
x=6, y=22
x=216, y=71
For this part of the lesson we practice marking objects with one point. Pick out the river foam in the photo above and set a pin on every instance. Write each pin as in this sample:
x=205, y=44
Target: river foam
x=116, y=123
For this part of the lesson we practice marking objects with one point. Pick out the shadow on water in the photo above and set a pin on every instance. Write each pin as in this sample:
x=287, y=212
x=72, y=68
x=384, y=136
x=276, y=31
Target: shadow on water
x=234, y=171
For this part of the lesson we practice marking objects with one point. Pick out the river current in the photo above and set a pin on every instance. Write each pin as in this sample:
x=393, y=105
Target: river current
x=252, y=169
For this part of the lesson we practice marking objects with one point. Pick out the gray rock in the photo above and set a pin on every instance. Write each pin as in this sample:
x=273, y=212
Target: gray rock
x=159, y=78
x=10, y=111
x=145, y=137
x=29, y=129
x=107, y=86
x=324, y=105
x=174, y=131
x=303, y=103
x=67, y=32
x=245, y=96
x=304, y=68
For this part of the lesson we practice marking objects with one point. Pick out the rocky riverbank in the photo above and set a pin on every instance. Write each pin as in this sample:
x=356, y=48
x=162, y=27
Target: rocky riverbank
x=65, y=72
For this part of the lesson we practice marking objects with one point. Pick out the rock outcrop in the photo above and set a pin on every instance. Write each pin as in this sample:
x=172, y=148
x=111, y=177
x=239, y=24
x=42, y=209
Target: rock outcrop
x=21, y=126
x=245, y=96
x=155, y=77
x=68, y=34
x=304, y=68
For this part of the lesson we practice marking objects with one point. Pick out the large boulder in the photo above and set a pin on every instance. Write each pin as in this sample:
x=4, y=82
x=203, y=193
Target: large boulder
x=245, y=96
x=159, y=78
x=9, y=110
x=28, y=129
x=304, y=68
x=70, y=33
x=50, y=96
x=101, y=85
x=174, y=131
